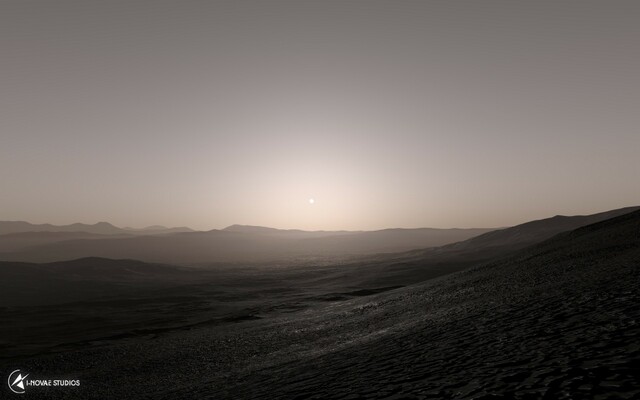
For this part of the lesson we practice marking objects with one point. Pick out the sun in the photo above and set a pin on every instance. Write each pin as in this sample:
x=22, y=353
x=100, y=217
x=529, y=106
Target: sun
x=312, y=200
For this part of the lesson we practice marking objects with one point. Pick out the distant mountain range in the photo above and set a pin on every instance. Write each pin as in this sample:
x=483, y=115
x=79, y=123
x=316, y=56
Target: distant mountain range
x=236, y=243
x=101, y=228
x=403, y=249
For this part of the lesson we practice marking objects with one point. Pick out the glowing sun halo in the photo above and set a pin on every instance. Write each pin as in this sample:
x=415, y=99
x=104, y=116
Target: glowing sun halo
x=312, y=201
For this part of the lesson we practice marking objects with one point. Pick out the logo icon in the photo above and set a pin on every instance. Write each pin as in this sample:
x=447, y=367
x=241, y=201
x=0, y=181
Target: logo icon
x=16, y=381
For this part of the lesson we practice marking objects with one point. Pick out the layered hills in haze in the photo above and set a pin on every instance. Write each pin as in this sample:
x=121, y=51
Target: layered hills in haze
x=448, y=248
x=233, y=244
x=100, y=228
x=422, y=264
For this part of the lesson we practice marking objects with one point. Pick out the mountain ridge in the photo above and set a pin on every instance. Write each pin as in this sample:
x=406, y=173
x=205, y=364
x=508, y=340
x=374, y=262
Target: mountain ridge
x=102, y=228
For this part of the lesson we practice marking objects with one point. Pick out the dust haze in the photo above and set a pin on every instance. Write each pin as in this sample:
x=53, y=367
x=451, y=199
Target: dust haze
x=319, y=199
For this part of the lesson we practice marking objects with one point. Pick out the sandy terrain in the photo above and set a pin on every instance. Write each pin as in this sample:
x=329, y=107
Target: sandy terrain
x=558, y=320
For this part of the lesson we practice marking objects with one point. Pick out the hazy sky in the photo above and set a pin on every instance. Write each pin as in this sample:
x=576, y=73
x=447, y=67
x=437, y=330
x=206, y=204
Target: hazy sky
x=387, y=113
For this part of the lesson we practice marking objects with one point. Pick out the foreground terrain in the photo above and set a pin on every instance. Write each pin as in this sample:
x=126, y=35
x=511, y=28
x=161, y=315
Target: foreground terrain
x=554, y=320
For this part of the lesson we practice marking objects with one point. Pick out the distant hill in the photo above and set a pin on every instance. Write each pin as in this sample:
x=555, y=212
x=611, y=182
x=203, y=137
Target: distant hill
x=100, y=228
x=240, y=244
x=442, y=250
x=419, y=265
x=292, y=233
x=365, y=241
x=11, y=242
x=536, y=231
x=157, y=230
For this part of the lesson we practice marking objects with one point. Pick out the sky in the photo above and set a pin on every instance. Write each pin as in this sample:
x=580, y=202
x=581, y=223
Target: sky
x=386, y=113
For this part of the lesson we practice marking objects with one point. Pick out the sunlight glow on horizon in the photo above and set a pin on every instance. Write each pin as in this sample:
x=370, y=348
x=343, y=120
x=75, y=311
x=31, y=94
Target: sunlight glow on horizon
x=322, y=115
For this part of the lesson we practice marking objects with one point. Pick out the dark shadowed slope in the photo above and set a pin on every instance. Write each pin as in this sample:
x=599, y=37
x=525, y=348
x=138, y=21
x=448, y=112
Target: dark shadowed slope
x=556, y=320
x=24, y=284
